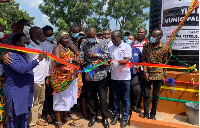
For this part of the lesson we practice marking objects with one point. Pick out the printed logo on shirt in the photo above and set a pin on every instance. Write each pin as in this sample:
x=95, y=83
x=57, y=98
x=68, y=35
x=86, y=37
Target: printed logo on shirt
x=135, y=54
x=122, y=51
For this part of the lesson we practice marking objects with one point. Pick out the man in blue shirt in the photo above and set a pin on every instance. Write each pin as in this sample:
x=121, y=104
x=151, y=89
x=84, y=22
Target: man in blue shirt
x=19, y=80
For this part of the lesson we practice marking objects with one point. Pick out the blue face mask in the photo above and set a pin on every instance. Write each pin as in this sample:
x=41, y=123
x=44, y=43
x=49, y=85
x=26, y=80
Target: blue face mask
x=129, y=42
x=80, y=37
x=91, y=40
x=38, y=41
x=50, y=38
x=75, y=35
x=27, y=45
x=152, y=40
x=125, y=38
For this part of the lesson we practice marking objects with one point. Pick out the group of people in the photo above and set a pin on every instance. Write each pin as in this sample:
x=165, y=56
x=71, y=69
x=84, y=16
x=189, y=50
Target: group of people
x=31, y=82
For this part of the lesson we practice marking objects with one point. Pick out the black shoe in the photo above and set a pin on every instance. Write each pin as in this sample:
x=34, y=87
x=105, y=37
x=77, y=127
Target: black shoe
x=135, y=109
x=153, y=117
x=123, y=123
x=146, y=116
x=105, y=123
x=91, y=122
x=114, y=121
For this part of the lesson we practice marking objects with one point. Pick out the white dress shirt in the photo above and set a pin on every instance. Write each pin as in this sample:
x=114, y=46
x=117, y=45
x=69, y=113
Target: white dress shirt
x=40, y=71
x=48, y=47
x=118, y=53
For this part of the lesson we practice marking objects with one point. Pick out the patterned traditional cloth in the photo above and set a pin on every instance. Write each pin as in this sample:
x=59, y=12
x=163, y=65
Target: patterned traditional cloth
x=2, y=101
x=60, y=34
x=2, y=98
x=62, y=77
x=155, y=55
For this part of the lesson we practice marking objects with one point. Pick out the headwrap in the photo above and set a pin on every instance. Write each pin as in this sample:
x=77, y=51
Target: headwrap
x=60, y=34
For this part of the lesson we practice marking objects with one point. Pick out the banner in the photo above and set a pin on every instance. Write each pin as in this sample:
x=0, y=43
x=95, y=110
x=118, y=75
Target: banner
x=173, y=12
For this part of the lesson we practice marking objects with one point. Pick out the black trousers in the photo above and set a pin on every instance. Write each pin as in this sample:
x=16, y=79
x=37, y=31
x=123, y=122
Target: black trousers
x=110, y=89
x=135, y=90
x=48, y=104
x=156, y=90
x=100, y=88
x=142, y=82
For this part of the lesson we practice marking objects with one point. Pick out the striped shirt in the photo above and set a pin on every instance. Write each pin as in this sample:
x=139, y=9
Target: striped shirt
x=139, y=45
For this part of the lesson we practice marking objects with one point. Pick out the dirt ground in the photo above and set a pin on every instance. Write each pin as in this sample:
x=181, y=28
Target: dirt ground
x=78, y=117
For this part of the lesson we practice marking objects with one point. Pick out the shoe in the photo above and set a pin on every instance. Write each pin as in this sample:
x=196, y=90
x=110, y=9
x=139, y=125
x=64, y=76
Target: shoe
x=123, y=123
x=91, y=122
x=146, y=116
x=42, y=123
x=114, y=121
x=135, y=109
x=153, y=117
x=105, y=123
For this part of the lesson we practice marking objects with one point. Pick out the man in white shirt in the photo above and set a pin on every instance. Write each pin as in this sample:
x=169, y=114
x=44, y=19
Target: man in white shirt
x=121, y=77
x=40, y=73
x=48, y=46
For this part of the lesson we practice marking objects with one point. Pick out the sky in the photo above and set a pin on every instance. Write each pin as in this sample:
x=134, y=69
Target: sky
x=31, y=6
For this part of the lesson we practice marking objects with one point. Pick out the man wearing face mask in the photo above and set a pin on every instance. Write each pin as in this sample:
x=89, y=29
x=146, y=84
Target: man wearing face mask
x=40, y=73
x=23, y=27
x=107, y=39
x=18, y=86
x=48, y=46
x=157, y=53
x=75, y=29
x=90, y=51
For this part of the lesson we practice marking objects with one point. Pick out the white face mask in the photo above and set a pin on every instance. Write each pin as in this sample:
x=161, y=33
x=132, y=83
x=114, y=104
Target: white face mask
x=1, y=35
x=106, y=40
x=26, y=30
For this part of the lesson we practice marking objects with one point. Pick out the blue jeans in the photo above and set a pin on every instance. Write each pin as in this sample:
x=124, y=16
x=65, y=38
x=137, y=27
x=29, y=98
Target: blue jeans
x=121, y=89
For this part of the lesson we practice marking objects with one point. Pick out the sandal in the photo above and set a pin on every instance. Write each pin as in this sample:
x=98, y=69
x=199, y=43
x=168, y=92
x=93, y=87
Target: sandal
x=59, y=125
x=69, y=121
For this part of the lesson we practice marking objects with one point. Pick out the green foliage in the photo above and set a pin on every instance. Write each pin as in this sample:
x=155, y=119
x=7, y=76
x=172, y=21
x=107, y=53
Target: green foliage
x=62, y=25
x=11, y=12
x=128, y=13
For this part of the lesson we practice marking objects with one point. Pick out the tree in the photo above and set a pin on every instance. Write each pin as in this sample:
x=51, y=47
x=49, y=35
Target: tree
x=69, y=11
x=128, y=13
x=83, y=12
x=11, y=12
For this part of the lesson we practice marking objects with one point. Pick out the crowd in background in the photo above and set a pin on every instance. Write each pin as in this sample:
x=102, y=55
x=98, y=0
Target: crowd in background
x=32, y=84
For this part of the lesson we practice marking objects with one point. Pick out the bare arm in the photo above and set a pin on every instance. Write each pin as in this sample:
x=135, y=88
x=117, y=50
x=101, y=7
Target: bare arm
x=56, y=52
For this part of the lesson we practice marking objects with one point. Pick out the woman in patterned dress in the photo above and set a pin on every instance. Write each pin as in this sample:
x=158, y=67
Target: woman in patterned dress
x=66, y=80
